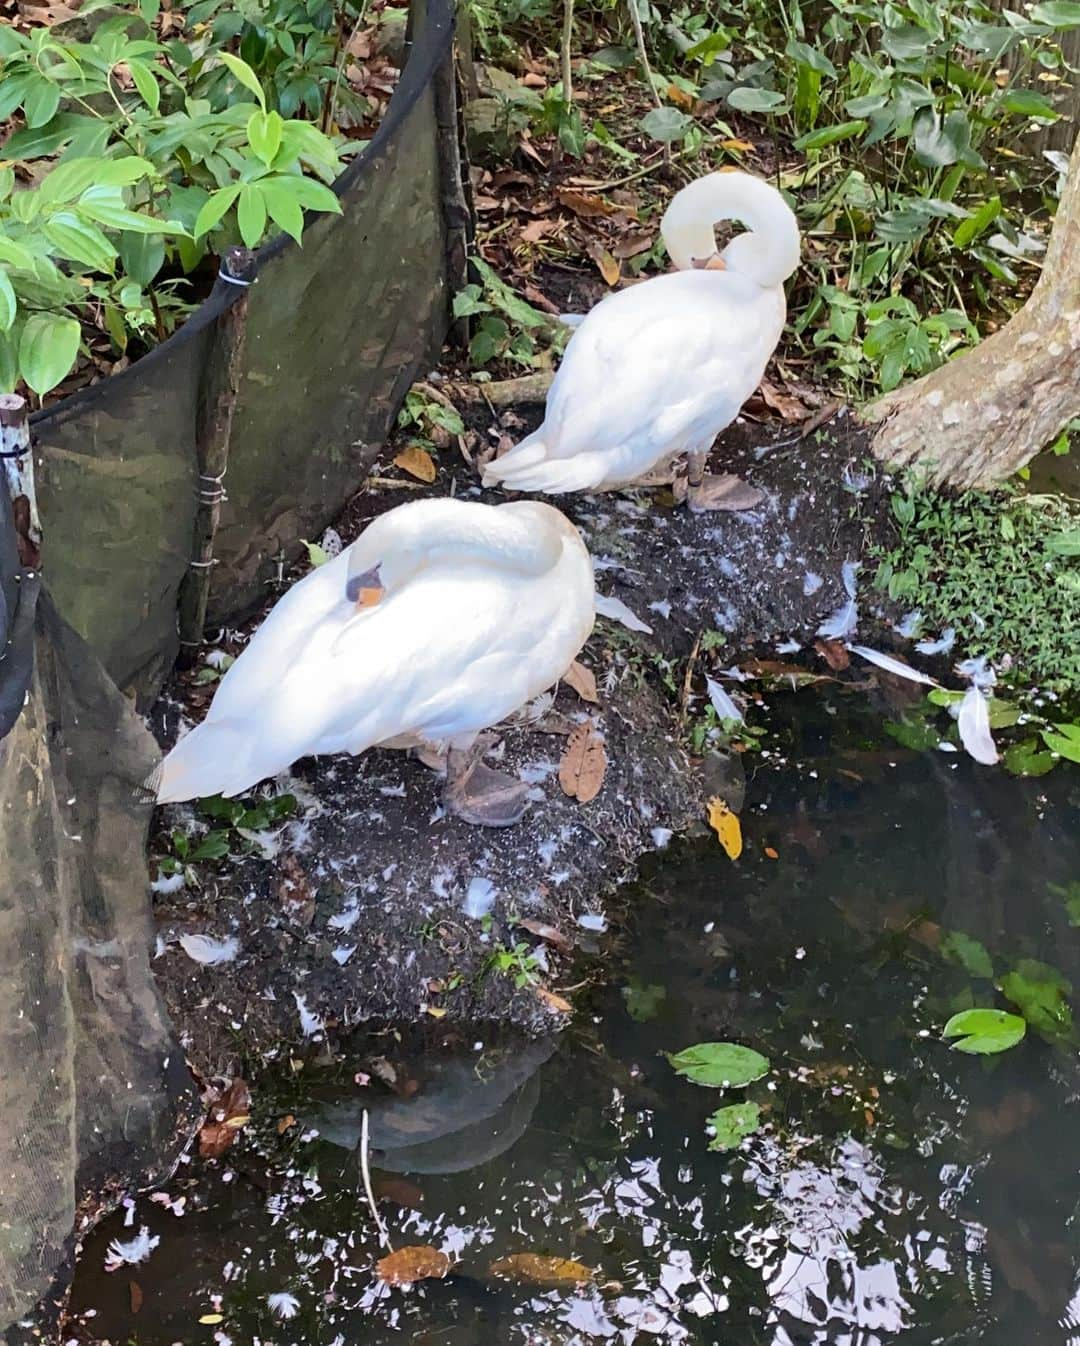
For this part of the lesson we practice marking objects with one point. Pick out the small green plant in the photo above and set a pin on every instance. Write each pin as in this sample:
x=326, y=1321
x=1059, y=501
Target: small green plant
x=507, y=327
x=516, y=962
x=1002, y=569
x=234, y=825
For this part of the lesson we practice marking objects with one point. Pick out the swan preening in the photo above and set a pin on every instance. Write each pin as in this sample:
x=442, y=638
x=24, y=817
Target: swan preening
x=441, y=620
x=659, y=369
x=447, y=616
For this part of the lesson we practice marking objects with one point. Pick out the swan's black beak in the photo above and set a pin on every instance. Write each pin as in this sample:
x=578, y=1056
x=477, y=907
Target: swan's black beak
x=365, y=590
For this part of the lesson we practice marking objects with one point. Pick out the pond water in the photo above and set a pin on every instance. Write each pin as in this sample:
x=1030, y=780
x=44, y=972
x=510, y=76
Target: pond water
x=896, y=1192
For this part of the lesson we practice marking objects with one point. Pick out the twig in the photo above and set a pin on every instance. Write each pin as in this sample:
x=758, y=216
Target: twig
x=639, y=34
x=691, y=665
x=365, y=1169
x=564, y=52
x=528, y=390
x=343, y=56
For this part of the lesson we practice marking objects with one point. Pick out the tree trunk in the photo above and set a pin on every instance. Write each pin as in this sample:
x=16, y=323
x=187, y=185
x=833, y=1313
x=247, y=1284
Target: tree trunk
x=982, y=416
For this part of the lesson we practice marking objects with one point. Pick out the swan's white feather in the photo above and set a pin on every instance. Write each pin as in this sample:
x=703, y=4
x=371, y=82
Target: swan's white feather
x=459, y=645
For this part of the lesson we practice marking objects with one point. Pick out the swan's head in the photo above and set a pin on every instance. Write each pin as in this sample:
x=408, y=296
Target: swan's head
x=767, y=253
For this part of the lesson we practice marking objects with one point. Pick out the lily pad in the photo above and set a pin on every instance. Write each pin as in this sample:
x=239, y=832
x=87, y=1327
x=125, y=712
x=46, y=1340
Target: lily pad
x=983, y=1032
x=733, y=1124
x=720, y=1065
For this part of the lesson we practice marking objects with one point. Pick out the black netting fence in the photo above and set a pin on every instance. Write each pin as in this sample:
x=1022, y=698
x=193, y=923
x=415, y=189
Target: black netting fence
x=92, y=1085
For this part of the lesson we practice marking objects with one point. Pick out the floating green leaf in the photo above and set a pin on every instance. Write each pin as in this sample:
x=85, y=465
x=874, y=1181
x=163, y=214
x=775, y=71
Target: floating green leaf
x=1064, y=739
x=968, y=952
x=733, y=1124
x=1026, y=759
x=643, y=1002
x=720, y=1065
x=1040, y=992
x=983, y=1032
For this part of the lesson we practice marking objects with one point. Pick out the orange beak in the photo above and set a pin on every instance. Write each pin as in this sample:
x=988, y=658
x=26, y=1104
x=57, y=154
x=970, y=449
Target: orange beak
x=713, y=263
x=367, y=598
x=365, y=590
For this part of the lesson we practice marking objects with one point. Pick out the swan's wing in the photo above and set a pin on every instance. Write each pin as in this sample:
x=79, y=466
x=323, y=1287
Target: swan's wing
x=656, y=362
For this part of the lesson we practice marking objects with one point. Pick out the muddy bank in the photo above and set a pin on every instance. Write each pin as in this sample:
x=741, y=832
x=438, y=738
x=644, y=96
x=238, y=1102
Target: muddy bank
x=371, y=905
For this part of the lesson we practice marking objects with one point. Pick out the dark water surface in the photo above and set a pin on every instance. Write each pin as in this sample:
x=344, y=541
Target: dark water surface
x=898, y=1191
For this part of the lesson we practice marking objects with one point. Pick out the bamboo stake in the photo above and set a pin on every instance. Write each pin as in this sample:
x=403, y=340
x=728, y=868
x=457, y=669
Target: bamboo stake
x=217, y=405
x=18, y=465
x=456, y=208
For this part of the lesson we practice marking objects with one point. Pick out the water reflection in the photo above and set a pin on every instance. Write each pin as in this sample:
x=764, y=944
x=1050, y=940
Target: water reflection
x=897, y=1191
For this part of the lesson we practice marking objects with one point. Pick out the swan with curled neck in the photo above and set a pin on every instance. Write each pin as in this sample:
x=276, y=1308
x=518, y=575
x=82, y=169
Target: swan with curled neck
x=443, y=618
x=659, y=369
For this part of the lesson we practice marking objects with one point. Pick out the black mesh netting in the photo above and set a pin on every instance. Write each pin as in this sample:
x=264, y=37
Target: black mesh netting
x=91, y=1083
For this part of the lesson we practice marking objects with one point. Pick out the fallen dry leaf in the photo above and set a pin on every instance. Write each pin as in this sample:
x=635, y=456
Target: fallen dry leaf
x=680, y=98
x=739, y=146
x=581, y=771
x=772, y=853
x=136, y=1295
x=549, y=934
x=420, y=1263
x=294, y=892
x=536, y=1269
x=584, y=204
x=606, y=264
x=632, y=245
x=583, y=681
x=834, y=654
x=553, y=1001
x=285, y=1124
x=417, y=462
x=789, y=406
x=726, y=826
x=230, y=1111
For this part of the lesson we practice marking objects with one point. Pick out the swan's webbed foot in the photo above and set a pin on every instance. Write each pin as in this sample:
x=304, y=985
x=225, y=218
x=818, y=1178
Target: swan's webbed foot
x=725, y=492
x=705, y=492
x=478, y=794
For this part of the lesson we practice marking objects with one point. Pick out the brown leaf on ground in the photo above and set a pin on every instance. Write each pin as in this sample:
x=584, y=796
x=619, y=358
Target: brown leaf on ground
x=553, y=1001
x=407, y=1265
x=739, y=146
x=550, y=934
x=581, y=771
x=537, y=230
x=606, y=264
x=834, y=654
x=417, y=462
x=680, y=98
x=632, y=245
x=402, y=1192
x=294, y=892
x=537, y=1269
x=583, y=681
x=789, y=406
x=136, y=1295
x=229, y=1111
x=584, y=204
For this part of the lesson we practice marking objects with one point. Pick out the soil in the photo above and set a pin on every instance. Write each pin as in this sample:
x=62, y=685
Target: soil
x=359, y=915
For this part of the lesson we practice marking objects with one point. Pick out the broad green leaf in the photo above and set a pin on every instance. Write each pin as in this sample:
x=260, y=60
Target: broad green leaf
x=13, y=89
x=1060, y=14
x=1064, y=739
x=1040, y=993
x=9, y=362
x=8, y=303
x=806, y=55
x=15, y=254
x=37, y=142
x=214, y=846
x=251, y=214
x=470, y=300
x=830, y=135
x=720, y=1065
x=733, y=1124
x=264, y=135
x=748, y=99
x=941, y=143
x=41, y=102
x=48, y=348
x=283, y=207
x=244, y=74
x=1028, y=103
x=969, y=953
x=983, y=1032
x=123, y=172
x=666, y=124
x=105, y=205
x=1065, y=544
x=307, y=193
x=146, y=83
x=906, y=43
x=643, y=1002
x=142, y=256
x=79, y=241
x=216, y=207
x=970, y=229
x=69, y=180
x=1025, y=759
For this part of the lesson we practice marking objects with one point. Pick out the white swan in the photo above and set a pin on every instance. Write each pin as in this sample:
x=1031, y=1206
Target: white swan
x=661, y=368
x=443, y=618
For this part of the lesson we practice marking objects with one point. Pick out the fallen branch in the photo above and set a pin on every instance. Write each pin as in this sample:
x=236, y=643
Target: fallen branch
x=528, y=390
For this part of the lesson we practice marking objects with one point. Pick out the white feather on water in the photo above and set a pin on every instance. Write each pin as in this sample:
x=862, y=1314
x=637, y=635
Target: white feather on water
x=891, y=665
x=942, y=645
x=722, y=703
x=973, y=721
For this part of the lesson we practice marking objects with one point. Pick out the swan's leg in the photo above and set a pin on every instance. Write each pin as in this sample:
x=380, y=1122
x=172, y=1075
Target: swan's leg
x=477, y=794
x=705, y=492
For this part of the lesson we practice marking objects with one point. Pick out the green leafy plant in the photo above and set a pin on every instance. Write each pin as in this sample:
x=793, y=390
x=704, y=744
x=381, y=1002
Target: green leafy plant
x=235, y=824
x=731, y=1125
x=507, y=328
x=516, y=962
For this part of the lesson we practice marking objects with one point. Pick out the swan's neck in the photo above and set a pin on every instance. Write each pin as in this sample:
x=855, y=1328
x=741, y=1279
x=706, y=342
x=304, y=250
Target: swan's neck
x=768, y=254
x=433, y=532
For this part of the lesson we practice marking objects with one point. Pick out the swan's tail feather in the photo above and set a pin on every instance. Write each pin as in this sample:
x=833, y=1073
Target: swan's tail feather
x=214, y=758
x=520, y=458
x=556, y=476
